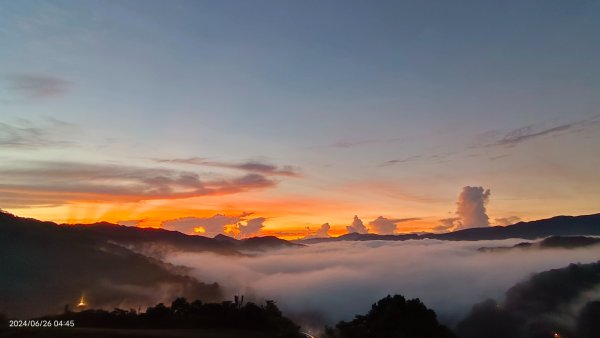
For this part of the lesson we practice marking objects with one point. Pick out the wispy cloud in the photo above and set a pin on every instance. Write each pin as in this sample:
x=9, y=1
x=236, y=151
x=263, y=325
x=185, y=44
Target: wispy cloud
x=523, y=134
x=28, y=135
x=533, y=131
x=61, y=182
x=250, y=166
x=350, y=143
x=35, y=86
x=400, y=161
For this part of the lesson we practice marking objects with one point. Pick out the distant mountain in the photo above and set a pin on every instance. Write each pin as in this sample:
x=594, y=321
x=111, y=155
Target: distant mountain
x=587, y=225
x=256, y=243
x=45, y=267
x=359, y=237
x=157, y=242
x=153, y=242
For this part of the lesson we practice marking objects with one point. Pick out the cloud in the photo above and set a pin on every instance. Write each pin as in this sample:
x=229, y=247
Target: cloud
x=350, y=143
x=322, y=232
x=205, y=226
x=32, y=86
x=519, y=135
x=251, y=228
x=357, y=226
x=387, y=226
x=250, y=166
x=30, y=136
x=400, y=161
x=470, y=208
x=447, y=276
x=448, y=224
x=533, y=131
x=507, y=220
x=61, y=182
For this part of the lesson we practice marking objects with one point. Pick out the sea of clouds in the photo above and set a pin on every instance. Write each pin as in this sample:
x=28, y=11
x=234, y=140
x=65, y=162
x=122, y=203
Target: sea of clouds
x=324, y=283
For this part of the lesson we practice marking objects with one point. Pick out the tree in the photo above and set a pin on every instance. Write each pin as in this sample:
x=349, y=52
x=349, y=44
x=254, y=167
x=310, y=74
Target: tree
x=393, y=317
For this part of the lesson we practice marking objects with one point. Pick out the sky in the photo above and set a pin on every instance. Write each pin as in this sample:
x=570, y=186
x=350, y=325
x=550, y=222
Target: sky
x=291, y=117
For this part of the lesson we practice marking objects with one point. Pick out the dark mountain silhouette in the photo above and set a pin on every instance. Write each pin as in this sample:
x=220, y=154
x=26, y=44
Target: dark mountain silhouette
x=45, y=267
x=157, y=242
x=554, y=242
x=392, y=317
x=359, y=237
x=560, y=301
x=586, y=225
x=265, y=242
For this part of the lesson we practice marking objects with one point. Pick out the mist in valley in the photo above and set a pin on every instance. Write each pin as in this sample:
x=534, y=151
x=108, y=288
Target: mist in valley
x=324, y=283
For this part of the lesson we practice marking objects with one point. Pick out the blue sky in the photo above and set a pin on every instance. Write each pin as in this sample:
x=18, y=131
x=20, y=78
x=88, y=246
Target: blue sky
x=383, y=108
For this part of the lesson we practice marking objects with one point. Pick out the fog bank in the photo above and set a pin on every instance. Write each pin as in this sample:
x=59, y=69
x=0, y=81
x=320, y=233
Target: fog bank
x=334, y=281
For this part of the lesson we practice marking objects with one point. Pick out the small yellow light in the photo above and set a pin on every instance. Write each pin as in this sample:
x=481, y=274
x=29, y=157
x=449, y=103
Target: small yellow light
x=81, y=302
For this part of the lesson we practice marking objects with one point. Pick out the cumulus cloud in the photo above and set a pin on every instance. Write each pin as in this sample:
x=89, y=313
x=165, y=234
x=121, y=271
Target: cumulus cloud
x=61, y=182
x=204, y=226
x=470, y=210
x=383, y=226
x=357, y=226
x=448, y=276
x=251, y=228
x=322, y=232
x=504, y=221
x=387, y=226
x=250, y=166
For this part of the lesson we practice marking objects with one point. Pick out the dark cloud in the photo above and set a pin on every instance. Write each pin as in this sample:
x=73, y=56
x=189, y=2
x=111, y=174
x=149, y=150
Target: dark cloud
x=250, y=166
x=33, y=86
x=61, y=182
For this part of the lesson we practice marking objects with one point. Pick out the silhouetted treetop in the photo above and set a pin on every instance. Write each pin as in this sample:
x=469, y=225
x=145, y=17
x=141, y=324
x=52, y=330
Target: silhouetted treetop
x=393, y=317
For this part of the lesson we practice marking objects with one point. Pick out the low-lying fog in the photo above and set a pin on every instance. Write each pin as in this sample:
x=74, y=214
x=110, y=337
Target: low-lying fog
x=328, y=282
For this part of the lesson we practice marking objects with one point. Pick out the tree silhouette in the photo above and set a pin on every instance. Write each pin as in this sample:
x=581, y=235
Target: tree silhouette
x=184, y=315
x=393, y=317
x=588, y=325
